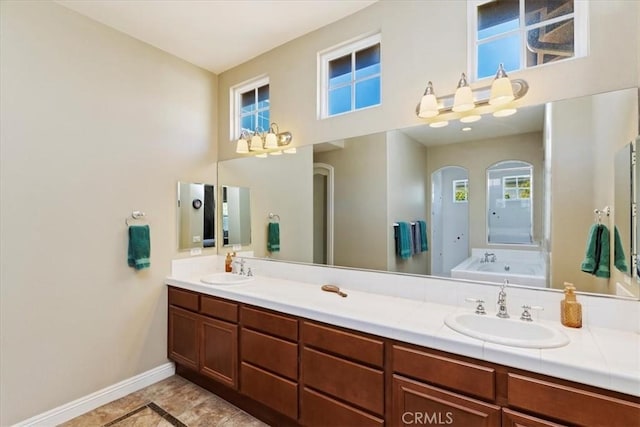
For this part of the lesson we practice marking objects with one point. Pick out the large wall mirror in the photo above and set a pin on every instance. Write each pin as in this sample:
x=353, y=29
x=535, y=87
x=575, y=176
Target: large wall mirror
x=196, y=215
x=552, y=166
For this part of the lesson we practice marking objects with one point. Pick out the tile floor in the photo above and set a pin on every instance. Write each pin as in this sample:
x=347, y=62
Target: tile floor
x=171, y=402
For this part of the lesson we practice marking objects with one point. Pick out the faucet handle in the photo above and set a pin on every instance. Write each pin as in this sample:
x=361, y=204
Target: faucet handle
x=249, y=273
x=526, y=314
x=480, y=307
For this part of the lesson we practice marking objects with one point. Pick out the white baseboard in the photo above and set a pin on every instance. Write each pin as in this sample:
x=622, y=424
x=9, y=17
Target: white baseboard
x=94, y=400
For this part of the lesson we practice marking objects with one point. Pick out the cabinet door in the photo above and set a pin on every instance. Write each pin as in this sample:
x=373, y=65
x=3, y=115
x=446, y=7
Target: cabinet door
x=415, y=403
x=183, y=337
x=516, y=419
x=219, y=351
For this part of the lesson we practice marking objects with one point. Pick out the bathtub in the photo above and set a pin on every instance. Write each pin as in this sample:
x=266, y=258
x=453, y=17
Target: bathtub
x=519, y=267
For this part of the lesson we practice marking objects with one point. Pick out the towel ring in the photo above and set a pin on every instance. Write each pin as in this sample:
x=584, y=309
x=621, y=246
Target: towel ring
x=275, y=217
x=135, y=215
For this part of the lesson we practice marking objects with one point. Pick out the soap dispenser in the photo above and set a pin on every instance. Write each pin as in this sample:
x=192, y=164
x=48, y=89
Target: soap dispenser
x=570, y=309
x=228, y=263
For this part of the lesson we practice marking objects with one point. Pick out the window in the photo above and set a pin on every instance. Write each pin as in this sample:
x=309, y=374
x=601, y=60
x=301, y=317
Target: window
x=525, y=33
x=250, y=107
x=349, y=77
x=460, y=190
x=517, y=187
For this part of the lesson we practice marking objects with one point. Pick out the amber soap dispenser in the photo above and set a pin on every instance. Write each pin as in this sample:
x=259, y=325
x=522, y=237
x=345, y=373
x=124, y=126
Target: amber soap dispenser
x=570, y=308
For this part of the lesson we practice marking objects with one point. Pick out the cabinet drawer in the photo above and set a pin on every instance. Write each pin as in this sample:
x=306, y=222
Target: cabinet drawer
x=475, y=380
x=349, y=381
x=319, y=410
x=273, y=354
x=271, y=323
x=415, y=403
x=516, y=419
x=352, y=346
x=569, y=404
x=215, y=307
x=184, y=299
x=271, y=390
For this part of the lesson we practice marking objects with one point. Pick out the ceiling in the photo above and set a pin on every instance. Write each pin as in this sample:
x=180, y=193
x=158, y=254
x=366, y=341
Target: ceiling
x=216, y=34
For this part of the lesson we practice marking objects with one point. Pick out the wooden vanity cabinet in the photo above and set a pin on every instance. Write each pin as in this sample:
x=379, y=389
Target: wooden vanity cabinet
x=342, y=377
x=203, y=335
x=269, y=359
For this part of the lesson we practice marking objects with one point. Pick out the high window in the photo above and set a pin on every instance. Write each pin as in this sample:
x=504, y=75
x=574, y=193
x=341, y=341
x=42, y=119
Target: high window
x=525, y=33
x=349, y=77
x=250, y=103
x=460, y=190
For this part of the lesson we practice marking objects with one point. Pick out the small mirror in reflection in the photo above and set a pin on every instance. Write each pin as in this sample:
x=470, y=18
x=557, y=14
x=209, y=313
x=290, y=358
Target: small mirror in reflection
x=236, y=216
x=196, y=215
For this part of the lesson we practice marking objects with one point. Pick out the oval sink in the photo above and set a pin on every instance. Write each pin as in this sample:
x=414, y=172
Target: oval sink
x=225, y=279
x=511, y=332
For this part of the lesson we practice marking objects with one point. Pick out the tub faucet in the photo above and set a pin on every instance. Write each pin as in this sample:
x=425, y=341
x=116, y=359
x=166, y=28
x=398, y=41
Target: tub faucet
x=487, y=259
x=502, y=301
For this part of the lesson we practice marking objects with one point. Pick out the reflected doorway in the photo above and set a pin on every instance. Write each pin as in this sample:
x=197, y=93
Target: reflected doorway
x=323, y=213
x=449, y=219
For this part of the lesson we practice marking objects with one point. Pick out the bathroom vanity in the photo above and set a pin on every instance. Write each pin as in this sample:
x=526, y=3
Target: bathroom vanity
x=291, y=354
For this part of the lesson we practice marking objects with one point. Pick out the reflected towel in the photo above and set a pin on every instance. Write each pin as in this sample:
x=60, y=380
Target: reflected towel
x=403, y=240
x=139, y=251
x=415, y=238
x=619, y=258
x=590, y=262
x=273, y=237
x=604, y=253
x=424, y=244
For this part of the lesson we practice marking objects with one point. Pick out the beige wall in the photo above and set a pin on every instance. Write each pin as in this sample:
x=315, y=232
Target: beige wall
x=408, y=195
x=281, y=185
x=419, y=43
x=94, y=125
x=360, y=214
x=476, y=157
x=603, y=123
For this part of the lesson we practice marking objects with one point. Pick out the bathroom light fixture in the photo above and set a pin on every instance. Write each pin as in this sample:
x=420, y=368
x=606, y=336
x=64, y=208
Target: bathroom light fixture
x=468, y=105
x=463, y=98
x=501, y=89
x=260, y=142
x=428, y=103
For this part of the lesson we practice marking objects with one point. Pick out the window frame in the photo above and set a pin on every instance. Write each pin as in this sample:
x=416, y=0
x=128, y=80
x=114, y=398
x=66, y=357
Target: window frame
x=327, y=55
x=517, y=188
x=580, y=36
x=235, y=97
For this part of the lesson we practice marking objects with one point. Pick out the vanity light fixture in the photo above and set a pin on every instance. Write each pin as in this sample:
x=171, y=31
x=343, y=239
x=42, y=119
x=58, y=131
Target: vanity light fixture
x=468, y=105
x=261, y=143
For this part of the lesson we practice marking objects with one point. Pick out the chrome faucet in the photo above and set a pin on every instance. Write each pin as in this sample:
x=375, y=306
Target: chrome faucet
x=488, y=257
x=241, y=262
x=502, y=301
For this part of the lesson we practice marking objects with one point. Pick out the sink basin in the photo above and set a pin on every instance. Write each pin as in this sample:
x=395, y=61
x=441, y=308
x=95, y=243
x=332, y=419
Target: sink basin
x=225, y=279
x=511, y=332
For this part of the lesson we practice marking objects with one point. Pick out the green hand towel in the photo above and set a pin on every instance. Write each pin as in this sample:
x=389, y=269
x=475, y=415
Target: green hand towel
x=424, y=244
x=590, y=262
x=603, y=261
x=273, y=237
x=619, y=258
x=139, y=251
x=404, y=240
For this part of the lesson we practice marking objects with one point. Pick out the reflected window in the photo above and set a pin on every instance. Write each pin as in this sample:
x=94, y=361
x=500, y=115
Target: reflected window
x=350, y=77
x=251, y=105
x=525, y=33
x=510, y=203
x=460, y=190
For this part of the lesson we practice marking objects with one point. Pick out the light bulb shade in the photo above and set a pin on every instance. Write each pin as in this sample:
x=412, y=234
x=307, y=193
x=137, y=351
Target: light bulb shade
x=463, y=98
x=428, y=103
x=470, y=118
x=505, y=112
x=440, y=124
x=271, y=141
x=501, y=89
x=256, y=143
x=242, y=147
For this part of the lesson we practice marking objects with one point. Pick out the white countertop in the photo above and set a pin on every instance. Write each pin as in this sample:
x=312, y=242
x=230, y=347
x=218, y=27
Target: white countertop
x=600, y=357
